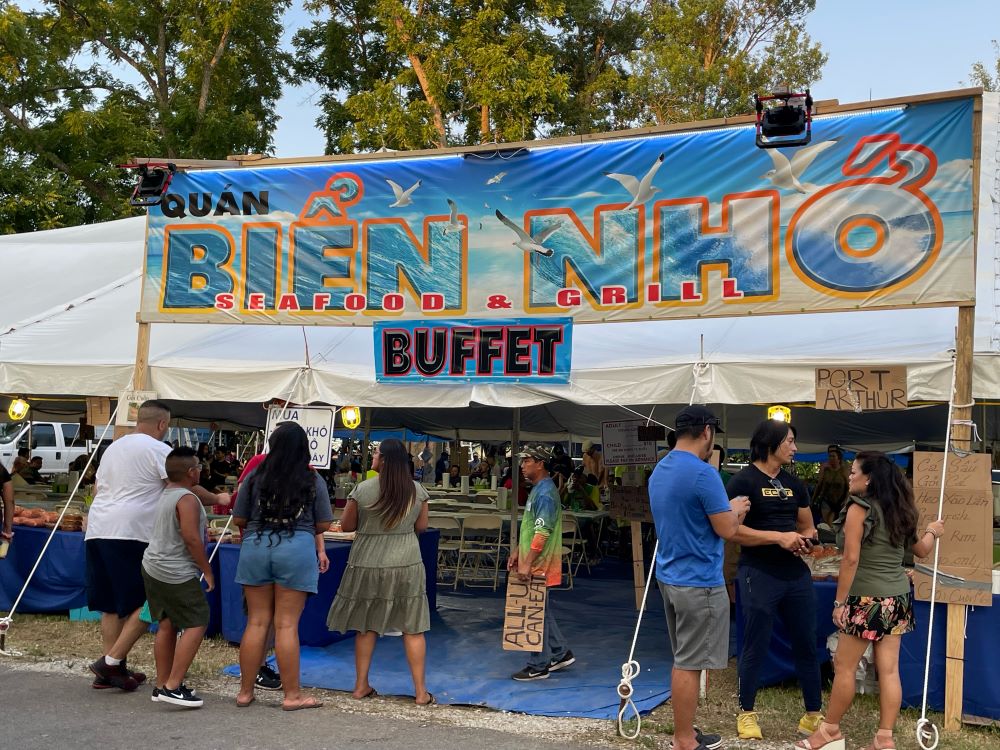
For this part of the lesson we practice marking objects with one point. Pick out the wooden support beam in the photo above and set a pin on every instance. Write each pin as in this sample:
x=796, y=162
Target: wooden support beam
x=638, y=567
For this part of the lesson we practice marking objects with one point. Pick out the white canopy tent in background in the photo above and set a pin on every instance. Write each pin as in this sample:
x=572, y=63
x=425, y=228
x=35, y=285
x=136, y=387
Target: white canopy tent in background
x=68, y=328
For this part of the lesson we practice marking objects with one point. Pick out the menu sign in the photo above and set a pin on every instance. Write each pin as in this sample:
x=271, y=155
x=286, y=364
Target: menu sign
x=861, y=389
x=966, y=555
x=622, y=446
x=630, y=504
x=524, y=614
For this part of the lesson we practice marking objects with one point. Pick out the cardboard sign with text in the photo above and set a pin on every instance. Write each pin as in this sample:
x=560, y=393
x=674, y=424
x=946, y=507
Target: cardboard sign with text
x=630, y=504
x=524, y=614
x=860, y=389
x=966, y=558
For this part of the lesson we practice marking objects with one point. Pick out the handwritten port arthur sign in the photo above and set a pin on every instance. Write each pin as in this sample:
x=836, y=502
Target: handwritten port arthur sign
x=966, y=557
x=860, y=389
x=875, y=212
x=524, y=614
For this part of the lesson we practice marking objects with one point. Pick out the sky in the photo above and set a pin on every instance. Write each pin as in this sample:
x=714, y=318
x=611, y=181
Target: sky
x=877, y=49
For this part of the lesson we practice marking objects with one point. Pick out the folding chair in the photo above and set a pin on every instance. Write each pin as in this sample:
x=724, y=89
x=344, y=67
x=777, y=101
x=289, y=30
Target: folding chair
x=570, y=537
x=448, y=546
x=481, y=542
x=577, y=544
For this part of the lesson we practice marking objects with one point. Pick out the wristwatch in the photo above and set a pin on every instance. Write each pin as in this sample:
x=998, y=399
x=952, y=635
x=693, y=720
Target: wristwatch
x=838, y=605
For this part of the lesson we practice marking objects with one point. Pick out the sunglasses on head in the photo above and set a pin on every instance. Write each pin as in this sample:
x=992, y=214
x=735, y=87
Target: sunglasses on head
x=783, y=492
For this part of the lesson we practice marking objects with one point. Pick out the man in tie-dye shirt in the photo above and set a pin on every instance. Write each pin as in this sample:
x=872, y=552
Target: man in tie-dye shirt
x=539, y=553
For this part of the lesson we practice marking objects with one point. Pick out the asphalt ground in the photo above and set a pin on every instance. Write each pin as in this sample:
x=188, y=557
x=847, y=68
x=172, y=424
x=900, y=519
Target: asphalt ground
x=50, y=711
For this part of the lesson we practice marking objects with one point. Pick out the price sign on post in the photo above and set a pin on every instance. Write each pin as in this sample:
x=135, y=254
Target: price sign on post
x=317, y=421
x=622, y=446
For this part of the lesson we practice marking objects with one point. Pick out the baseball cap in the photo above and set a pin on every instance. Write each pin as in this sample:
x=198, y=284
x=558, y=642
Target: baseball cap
x=536, y=451
x=696, y=415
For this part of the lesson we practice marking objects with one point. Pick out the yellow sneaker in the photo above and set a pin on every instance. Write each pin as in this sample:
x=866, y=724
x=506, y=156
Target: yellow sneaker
x=747, y=727
x=809, y=723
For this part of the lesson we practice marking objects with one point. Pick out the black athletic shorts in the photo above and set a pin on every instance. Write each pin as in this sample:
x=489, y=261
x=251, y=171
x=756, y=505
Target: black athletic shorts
x=114, y=576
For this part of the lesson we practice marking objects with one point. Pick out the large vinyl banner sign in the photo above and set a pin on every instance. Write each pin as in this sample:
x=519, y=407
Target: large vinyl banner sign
x=875, y=212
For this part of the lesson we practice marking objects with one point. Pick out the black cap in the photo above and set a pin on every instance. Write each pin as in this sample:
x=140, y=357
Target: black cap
x=695, y=416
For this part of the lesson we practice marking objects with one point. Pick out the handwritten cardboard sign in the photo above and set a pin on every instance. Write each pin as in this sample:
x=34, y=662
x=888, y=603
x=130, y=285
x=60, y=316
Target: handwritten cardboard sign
x=630, y=504
x=861, y=389
x=966, y=556
x=524, y=614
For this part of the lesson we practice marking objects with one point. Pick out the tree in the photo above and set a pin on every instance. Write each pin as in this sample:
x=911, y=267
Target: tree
x=431, y=73
x=86, y=84
x=981, y=75
x=702, y=59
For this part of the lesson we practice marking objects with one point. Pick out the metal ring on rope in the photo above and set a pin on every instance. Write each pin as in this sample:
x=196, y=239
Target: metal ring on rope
x=630, y=670
x=924, y=735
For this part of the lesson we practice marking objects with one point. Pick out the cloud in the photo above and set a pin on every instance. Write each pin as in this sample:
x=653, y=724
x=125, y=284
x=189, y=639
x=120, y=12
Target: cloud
x=953, y=176
x=578, y=196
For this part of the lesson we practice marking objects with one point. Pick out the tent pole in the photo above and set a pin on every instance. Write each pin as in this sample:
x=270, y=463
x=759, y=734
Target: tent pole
x=364, y=444
x=515, y=475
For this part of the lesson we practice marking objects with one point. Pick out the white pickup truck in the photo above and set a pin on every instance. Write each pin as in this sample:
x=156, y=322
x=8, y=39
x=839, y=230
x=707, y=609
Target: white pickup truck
x=58, y=443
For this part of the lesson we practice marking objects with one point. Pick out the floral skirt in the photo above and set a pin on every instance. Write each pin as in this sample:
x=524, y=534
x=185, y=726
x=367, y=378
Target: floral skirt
x=871, y=618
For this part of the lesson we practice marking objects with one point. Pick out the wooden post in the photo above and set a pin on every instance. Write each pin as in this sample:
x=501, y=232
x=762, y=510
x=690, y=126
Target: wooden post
x=140, y=375
x=638, y=568
x=366, y=431
x=961, y=436
x=962, y=439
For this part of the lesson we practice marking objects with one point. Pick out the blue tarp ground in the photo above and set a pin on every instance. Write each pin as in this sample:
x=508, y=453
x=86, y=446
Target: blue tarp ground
x=466, y=664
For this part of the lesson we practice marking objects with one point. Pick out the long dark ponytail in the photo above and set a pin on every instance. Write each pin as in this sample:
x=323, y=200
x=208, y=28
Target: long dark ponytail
x=395, y=483
x=284, y=483
x=890, y=488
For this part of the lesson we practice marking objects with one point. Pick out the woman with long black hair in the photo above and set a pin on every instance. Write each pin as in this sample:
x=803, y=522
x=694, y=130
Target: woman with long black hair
x=282, y=506
x=385, y=587
x=873, y=604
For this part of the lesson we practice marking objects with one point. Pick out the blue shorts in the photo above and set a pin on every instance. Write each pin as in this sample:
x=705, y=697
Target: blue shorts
x=288, y=560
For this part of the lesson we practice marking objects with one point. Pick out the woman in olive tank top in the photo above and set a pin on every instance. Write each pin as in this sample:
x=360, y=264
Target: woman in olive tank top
x=873, y=606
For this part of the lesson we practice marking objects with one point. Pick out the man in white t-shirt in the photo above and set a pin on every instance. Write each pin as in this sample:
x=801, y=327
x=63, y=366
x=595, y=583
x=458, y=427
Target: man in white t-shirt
x=130, y=481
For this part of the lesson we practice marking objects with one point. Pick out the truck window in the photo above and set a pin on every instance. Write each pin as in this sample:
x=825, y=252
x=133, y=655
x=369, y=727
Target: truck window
x=70, y=431
x=43, y=436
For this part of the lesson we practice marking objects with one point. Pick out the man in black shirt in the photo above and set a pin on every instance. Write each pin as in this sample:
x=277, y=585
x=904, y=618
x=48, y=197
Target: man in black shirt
x=772, y=578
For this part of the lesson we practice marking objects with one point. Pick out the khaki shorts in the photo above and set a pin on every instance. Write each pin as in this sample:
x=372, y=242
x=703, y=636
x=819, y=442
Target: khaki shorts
x=698, y=624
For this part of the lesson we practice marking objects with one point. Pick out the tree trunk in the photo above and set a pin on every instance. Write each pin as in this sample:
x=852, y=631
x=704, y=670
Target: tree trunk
x=425, y=87
x=484, y=124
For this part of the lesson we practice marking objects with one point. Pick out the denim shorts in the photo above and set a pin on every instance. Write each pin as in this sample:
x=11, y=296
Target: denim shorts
x=288, y=560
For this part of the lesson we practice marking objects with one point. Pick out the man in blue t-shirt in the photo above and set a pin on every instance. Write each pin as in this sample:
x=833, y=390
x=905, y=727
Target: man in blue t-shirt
x=693, y=515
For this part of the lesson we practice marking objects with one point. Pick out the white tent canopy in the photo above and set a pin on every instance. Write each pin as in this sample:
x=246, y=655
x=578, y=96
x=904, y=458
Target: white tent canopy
x=68, y=327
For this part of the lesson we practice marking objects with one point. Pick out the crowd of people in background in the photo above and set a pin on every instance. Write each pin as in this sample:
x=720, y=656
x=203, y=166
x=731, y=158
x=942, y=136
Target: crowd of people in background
x=718, y=532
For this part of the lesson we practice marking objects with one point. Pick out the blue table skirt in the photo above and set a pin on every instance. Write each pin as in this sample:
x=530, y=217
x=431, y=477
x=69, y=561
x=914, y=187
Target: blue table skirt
x=312, y=625
x=59, y=584
x=981, y=694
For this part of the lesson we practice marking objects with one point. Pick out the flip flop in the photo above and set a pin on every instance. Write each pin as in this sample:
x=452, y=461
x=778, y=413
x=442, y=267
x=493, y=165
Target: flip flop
x=241, y=704
x=373, y=693
x=431, y=702
x=306, y=703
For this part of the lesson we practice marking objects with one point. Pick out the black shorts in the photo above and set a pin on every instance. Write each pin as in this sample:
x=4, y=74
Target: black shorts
x=114, y=576
x=184, y=604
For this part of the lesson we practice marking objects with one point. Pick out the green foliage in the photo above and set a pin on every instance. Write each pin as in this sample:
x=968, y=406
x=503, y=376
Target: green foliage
x=702, y=59
x=87, y=84
x=981, y=75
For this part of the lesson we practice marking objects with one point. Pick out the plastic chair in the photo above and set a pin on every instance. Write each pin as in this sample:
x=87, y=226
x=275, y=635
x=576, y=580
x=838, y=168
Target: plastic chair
x=482, y=538
x=570, y=538
x=573, y=539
